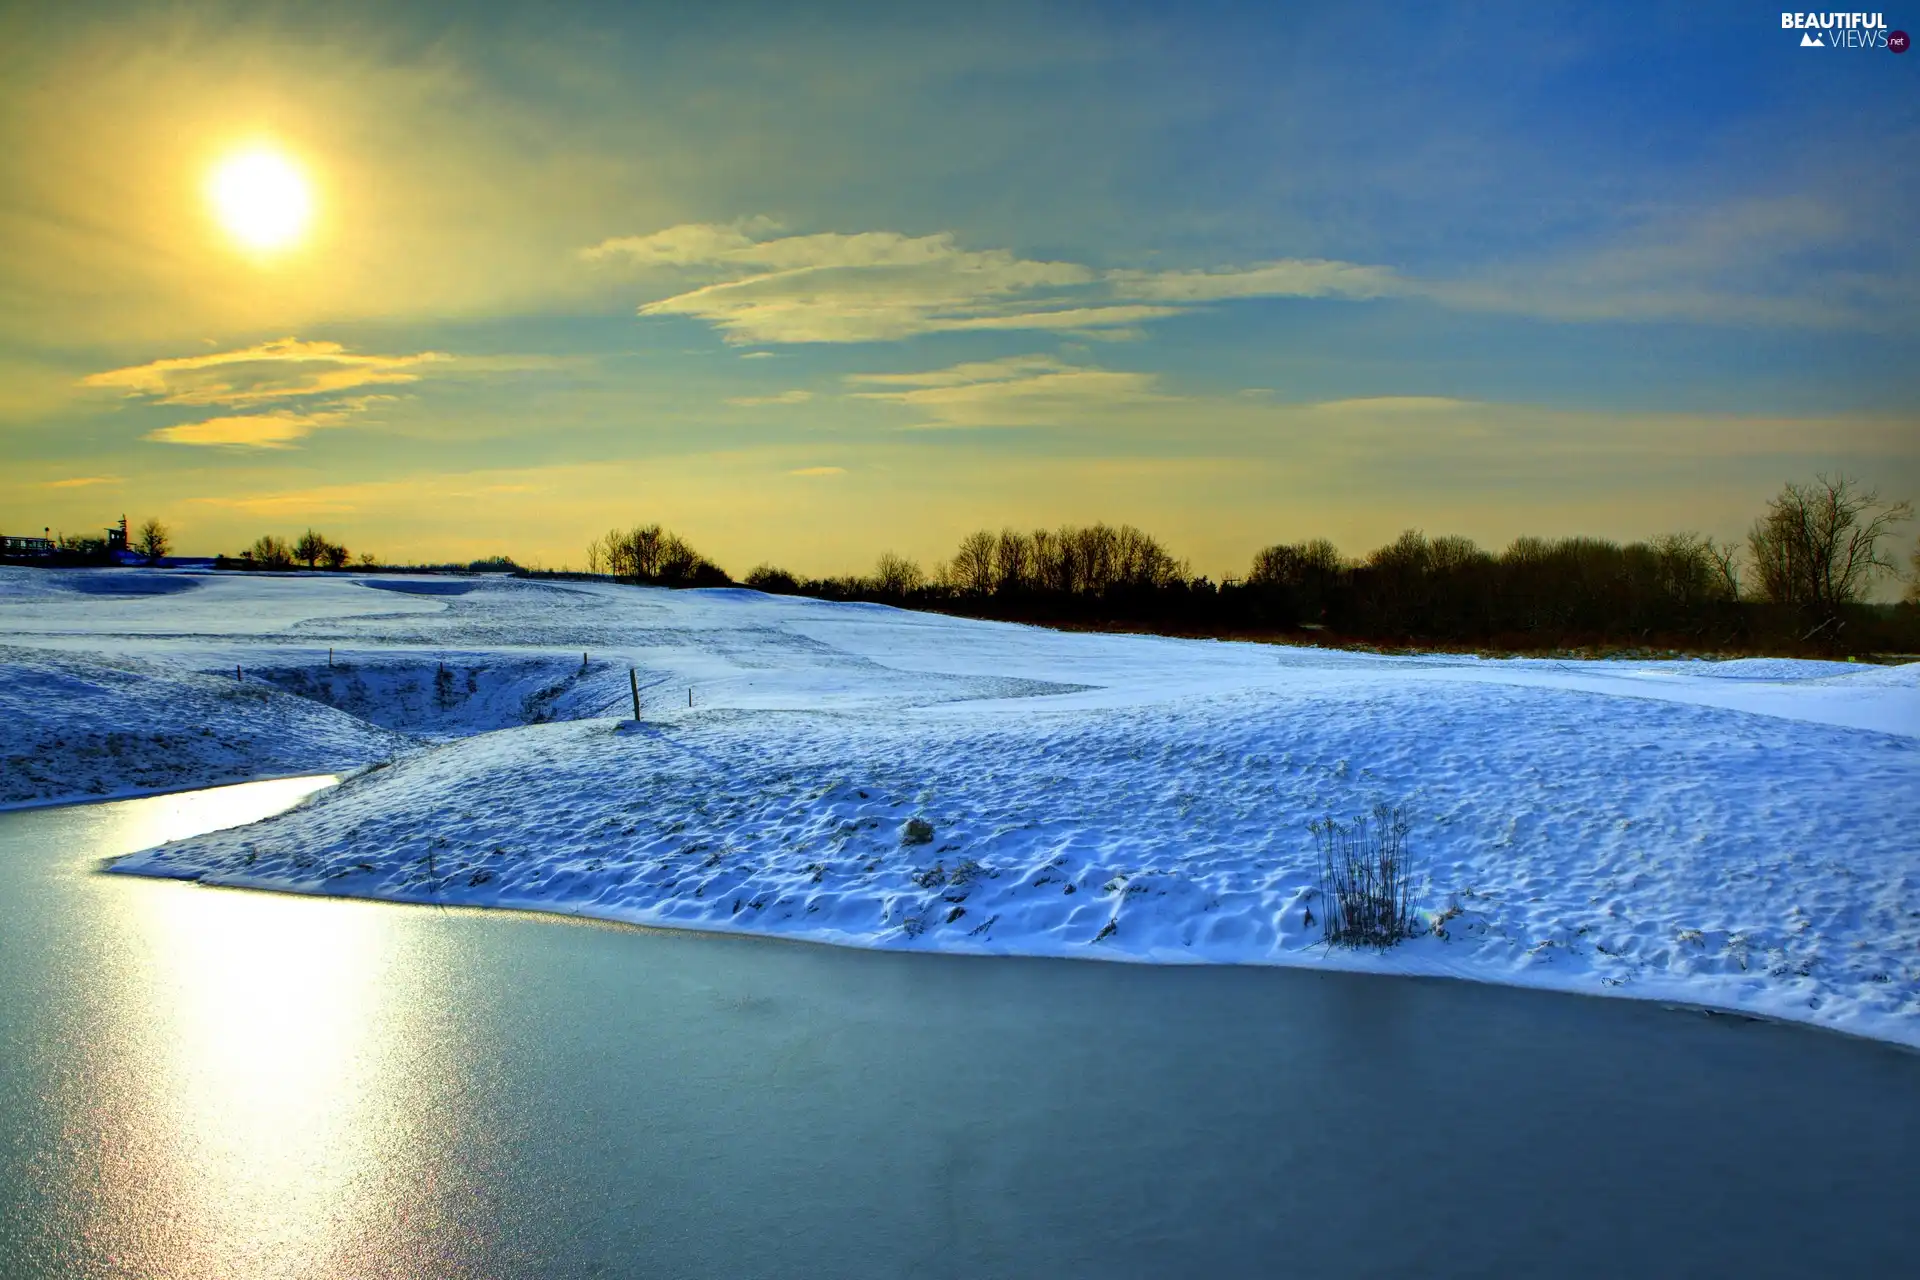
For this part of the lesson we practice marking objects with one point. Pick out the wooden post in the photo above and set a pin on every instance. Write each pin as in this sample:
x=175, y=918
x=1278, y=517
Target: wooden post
x=329, y=655
x=689, y=697
x=236, y=671
x=583, y=662
x=633, y=682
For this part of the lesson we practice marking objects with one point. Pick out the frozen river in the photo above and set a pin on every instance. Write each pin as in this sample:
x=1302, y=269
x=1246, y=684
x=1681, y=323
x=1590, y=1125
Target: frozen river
x=199, y=1082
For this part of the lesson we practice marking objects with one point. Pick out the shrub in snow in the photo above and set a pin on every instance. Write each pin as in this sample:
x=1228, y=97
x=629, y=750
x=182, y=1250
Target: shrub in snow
x=1366, y=879
x=919, y=831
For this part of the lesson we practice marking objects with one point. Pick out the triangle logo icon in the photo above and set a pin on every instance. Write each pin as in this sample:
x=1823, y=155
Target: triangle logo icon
x=1811, y=41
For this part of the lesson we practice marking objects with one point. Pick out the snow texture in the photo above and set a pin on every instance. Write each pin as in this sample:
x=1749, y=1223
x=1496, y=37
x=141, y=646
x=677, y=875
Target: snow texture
x=1735, y=835
x=87, y=727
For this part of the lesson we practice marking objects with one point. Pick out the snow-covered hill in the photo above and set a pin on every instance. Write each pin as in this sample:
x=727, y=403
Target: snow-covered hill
x=1734, y=834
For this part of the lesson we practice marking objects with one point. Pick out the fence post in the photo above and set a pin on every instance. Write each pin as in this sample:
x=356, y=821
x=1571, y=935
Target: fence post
x=633, y=682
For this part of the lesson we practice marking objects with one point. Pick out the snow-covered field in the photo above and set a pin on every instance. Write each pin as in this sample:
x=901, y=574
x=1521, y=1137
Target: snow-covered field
x=1736, y=834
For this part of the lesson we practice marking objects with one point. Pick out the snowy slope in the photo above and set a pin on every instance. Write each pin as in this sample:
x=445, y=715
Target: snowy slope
x=1734, y=834
x=76, y=726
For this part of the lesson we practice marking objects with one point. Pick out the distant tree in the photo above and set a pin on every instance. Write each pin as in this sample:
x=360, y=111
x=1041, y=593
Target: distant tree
x=1090, y=560
x=772, y=580
x=1913, y=575
x=268, y=552
x=311, y=549
x=895, y=575
x=153, y=541
x=651, y=554
x=368, y=560
x=1302, y=577
x=1725, y=559
x=1818, y=546
x=971, y=571
x=336, y=556
x=1296, y=565
x=1012, y=562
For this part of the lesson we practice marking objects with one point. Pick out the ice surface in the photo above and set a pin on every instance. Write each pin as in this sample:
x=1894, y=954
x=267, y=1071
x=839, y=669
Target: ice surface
x=1730, y=834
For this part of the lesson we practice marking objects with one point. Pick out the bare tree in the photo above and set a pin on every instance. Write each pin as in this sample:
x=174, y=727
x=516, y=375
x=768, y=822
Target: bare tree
x=1818, y=547
x=1725, y=560
x=972, y=569
x=268, y=552
x=153, y=541
x=1913, y=577
x=310, y=549
x=895, y=575
x=336, y=556
x=1012, y=561
x=773, y=580
x=1296, y=565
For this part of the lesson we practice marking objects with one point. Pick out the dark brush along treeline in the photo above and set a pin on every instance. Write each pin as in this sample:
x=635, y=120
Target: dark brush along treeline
x=1812, y=556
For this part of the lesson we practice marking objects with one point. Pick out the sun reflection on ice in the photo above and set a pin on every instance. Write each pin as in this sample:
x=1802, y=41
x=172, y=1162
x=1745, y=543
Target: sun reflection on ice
x=267, y=1017
x=281, y=1082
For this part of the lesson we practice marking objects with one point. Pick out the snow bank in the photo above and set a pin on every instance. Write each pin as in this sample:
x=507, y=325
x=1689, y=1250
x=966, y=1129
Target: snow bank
x=1637, y=848
x=76, y=726
x=1731, y=834
x=453, y=695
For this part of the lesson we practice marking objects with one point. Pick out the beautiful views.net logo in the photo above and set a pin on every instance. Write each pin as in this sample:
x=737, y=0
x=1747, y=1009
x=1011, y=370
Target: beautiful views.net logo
x=1844, y=31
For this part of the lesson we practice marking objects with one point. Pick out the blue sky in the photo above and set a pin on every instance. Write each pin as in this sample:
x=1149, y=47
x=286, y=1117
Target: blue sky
x=807, y=285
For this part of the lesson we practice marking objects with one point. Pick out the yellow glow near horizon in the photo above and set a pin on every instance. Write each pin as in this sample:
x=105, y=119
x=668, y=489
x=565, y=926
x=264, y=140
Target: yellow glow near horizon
x=262, y=199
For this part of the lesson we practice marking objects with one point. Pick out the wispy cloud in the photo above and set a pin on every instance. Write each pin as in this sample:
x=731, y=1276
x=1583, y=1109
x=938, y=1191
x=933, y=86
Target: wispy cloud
x=969, y=374
x=877, y=286
x=795, y=396
x=1787, y=261
x=1017, y=391
x=278, y=430
x=1393, y=404
x=285, y=368
x=81, y=482
x=818, y=471
x=302, y=503
x=1288, y=278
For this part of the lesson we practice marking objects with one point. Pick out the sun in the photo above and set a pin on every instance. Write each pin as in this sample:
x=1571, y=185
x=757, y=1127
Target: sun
x=261, y=198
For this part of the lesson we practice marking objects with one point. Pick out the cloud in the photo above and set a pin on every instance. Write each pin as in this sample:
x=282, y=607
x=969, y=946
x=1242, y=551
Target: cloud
x=81, y=482
x=305, y=503
x=1016, y=391
x=285, y=368
x=958, y=375
x=690, y=244
x=1784, y=261
x=1072, y=320
x=818, y=471
x=1287, y=278
x=881, y=286
x=277, y=430
x=867, y=287
x=1393, y=404
x=795, y=396
x=1751, y=262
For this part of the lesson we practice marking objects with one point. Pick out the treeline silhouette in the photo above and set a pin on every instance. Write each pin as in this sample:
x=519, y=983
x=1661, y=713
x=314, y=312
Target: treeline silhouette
x=1813, y=555
x=652, y=556
x=314, y=550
